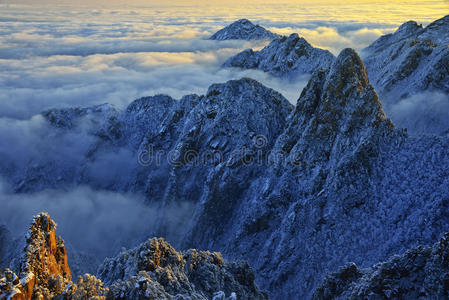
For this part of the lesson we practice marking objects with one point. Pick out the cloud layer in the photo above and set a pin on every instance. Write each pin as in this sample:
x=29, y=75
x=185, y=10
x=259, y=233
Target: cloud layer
x=96, y=222
x=65, y=55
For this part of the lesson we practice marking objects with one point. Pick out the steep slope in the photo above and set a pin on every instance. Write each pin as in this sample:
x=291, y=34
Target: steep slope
x=421, y=272
x=341, y=185
x=411, y=60
x=183, y=145
x=154, y=270
x=408, y=62
x=243, y=29
x=205, y=158
x=285, y=56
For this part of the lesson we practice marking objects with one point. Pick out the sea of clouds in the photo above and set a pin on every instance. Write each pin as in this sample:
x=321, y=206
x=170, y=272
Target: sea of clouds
x=54, y=56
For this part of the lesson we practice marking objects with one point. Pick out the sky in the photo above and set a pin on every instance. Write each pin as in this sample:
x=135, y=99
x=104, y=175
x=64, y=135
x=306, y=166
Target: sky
x=81, y=53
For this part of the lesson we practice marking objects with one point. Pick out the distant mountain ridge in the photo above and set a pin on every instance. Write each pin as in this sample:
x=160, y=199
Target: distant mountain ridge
x=243, y=29
x=284, y=56
x=410, y=60
x=413, y=63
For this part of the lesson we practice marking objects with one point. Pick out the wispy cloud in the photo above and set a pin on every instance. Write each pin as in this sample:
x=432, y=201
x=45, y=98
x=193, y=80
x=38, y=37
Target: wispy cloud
x=94, y=221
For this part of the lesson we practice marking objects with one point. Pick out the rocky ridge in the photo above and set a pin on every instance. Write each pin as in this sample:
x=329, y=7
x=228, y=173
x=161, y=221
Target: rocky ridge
x=409, y=68
x=154, y=270
x=336, y=152
x=412, y=59
x=284, y=56
x=44, y=269
x=243, y=29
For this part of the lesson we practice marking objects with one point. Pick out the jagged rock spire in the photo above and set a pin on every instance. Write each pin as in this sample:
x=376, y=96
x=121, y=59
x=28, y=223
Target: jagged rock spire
x=45, y=271
x=337, y=114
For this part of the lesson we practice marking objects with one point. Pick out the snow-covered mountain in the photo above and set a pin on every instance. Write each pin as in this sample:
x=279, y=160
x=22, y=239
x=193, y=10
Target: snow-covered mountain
x=345, y=186
x=411, y=60
x=298, y=191
x=410, y=70
x=284, y=56
x=243, y=29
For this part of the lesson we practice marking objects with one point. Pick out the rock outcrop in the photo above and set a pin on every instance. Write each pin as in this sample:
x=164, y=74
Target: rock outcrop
x=284, y=56
x=243, y=29
x=155, y=267
x=154, y=270
x=419, y=273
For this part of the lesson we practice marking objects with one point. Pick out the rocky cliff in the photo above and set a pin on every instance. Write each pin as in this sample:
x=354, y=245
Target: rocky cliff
x=154, y=270
x=342, y=185
x=44, y=269
x=284, y=56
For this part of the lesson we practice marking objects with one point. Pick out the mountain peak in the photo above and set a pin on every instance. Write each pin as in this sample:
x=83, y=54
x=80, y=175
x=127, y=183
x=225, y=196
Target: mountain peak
x=348, y=70
x=243, y=29
x=338, y=109
x=348, y=88
x=44, y=267
x=409, y=27
x=245, y=21
x=286, y=56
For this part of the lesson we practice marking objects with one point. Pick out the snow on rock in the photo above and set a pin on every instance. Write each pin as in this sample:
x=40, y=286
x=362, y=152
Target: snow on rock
x=337, y=183
x=411, y=61
x=44, y=266
x=243, y=30
x=344, y=185
x=420, y=273
x=155, y=266
x=284, y=56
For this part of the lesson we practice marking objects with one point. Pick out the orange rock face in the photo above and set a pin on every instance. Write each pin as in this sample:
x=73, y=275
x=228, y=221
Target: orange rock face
x=45, y=270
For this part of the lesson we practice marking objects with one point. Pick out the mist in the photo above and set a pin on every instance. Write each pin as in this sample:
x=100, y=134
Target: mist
x=424, y=113
x=92, y=221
